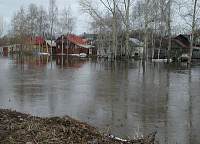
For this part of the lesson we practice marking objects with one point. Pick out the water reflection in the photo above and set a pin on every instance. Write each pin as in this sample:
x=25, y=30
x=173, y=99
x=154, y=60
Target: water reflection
x=125, y=96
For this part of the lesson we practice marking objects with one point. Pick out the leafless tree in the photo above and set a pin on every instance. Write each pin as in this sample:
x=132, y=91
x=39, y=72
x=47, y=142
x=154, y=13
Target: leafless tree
x=19, y=25
x=111, y=25
x=146, y=30
x=169, y=30
x=31, y=20
x=2, y=26
x=193, y=30
x=42, y=22
x=67, y=21
x=53, y=14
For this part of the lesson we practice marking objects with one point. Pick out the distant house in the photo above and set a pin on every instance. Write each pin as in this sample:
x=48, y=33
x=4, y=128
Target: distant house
x=33, y=45
x=137, y=47
x=71, y=45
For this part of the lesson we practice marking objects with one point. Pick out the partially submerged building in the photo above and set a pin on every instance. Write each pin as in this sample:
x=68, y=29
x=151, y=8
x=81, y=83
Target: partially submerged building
x=33, y=45
x=181, y=45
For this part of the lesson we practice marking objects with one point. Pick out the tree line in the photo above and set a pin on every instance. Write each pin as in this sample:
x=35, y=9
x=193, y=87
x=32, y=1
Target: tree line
x=37, y=21
x=147, y=20
x=115, y=21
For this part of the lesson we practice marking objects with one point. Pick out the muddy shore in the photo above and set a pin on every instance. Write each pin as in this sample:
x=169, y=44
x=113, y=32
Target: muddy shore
x=23, y=128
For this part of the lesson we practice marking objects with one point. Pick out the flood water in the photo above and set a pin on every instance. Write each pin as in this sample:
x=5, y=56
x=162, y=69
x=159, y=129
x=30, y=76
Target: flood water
x=122, y=96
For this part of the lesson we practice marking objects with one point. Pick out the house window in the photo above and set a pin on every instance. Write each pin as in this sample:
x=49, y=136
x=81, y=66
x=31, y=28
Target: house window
x=58, y=46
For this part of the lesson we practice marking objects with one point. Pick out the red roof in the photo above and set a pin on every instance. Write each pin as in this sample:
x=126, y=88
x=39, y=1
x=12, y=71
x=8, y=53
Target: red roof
x=37, y=40
x=75, y=39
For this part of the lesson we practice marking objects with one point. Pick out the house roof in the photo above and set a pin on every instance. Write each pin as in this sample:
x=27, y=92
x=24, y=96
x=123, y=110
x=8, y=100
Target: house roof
x=36, y=40
x=180, y=43
x=136, y=42
x=75, y=40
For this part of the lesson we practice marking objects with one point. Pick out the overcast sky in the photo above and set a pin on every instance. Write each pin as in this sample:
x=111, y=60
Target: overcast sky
x=8, y=7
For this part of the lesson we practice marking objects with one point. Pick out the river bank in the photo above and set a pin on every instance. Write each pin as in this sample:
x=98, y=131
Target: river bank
x=17, y=127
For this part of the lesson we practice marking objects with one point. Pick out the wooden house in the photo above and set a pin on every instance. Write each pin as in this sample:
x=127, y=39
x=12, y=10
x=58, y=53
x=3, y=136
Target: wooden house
x=66, y=44
x=181, y=45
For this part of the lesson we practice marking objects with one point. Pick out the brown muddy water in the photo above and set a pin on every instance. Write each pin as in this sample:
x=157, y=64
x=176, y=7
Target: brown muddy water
x=122, y=96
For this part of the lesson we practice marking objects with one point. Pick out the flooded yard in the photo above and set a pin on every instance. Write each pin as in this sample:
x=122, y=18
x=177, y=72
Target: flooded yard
x=129, y=98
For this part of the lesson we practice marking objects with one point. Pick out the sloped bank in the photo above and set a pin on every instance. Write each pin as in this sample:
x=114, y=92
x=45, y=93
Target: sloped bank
x=22, y=128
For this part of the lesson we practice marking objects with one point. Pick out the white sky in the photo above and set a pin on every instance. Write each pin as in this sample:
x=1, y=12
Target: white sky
x=8, y=7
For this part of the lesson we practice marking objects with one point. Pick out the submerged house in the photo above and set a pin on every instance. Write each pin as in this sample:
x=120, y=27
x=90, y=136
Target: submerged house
x=33, y=45
x=68, y=44
x=181, y=45
x=11, y=49
x=137, y=47
x=38, y=45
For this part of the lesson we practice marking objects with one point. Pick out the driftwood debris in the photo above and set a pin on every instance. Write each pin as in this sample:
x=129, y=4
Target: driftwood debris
x=22, y=128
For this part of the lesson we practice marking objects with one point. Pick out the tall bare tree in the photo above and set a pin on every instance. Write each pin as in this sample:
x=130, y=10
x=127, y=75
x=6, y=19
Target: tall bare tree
x=42, y=21
x=126, y=21
x=67, y=21
x=19, y=25
x=146, y=30
x=53, y=13
x=193, y=30
x=31, y=19
x=169, y=31
x=2, y=26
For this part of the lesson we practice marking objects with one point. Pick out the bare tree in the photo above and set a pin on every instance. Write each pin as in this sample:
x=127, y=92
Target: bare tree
x=67, y=21
x=2, y=26
x=169, y=31
x=19, y=25
x=31, y=20
x=193, y=30
x=126, y=21
x=42, y=21
x=111, y=25
x=53, y=13
x=146, y=30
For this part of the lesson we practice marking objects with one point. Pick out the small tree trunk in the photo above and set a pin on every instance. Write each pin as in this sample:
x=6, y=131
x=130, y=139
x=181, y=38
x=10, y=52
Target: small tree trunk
x=146, y=32
x=169, y=32
x=127, y=28
x=193, y=28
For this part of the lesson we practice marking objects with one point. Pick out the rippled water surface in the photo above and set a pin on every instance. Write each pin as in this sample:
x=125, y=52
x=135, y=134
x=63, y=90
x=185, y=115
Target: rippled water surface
x=122, y=96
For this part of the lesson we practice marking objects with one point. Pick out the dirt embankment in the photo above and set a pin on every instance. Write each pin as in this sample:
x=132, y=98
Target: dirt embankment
x=22, y=128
